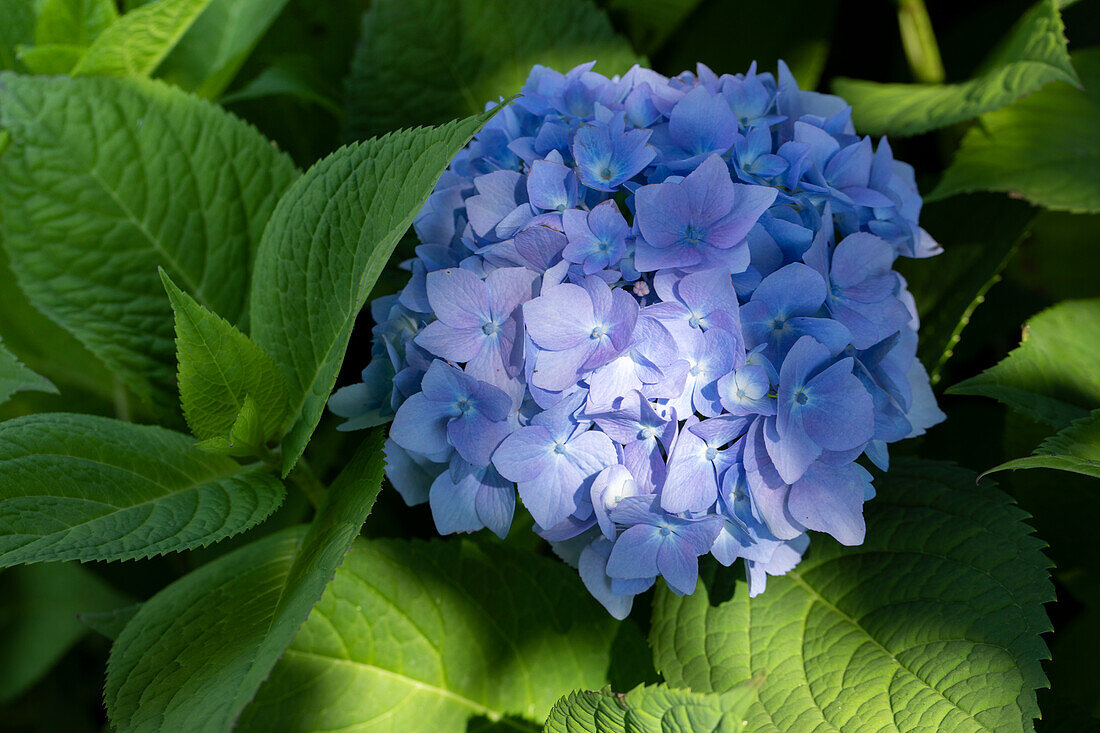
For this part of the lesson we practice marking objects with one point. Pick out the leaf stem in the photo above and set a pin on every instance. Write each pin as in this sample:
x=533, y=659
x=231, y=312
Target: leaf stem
x=919, y=41
x=307, y=482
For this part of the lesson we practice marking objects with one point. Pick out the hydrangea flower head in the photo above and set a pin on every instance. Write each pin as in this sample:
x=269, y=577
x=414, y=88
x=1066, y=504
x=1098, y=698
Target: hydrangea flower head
x=662, y=311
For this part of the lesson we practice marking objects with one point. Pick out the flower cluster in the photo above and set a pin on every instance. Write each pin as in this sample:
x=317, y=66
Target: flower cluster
x=664, y=310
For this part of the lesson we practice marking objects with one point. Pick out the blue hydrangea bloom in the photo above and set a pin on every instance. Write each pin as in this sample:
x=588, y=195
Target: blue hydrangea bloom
x=665, y=312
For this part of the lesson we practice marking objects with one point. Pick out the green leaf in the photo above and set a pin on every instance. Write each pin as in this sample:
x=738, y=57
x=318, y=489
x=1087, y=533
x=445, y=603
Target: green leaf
x=77, y=487
x=327, y=242
x=214, y=48
x=195, y=654
x=107, y=179
x=1032, y=55
x=424, y=636
x=73, y=22
x=108, y=623
x=1052, y=376
x=138, y=41
x=49, y=59
x=1075, y=448
x=1043, y=148
x=219, y=369
x=17, y=19
x=428, y=61
x=14, y=377
x=653, y=709
x=649, y=23
x=932, y=624
x=800, y=36
x=245, y=437
x=286, y=79
x=979, y=234
x=38, y=619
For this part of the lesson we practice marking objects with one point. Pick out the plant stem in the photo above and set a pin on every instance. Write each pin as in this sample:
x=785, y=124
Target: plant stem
x=919, y=42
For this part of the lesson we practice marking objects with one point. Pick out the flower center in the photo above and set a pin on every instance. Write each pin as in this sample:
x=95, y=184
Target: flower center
x=779, y=324
x=598, y=332
x=559, y=448
x=665, y=530
x=603, y=246
x=692, y=235
x=801, y=398
x=488, y=328
x=712, y=453
x=740, y=394
x=464, y=405
x=606, y=174
x=694, y=321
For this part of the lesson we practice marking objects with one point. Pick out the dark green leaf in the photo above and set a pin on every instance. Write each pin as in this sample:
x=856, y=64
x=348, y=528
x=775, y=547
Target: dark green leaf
x=17, y=18
x=195, y=654
x=1076, y=448
x=76, y=487
x=73, y=22
x=38, y=619
x=979, y=234
x=1052, y=376
x=1044, y=148
x=107, y=179
x=428, y=61
x=1032, y=55
x=649, y=23
x=327, y=242
x=219, y=369
x=109, y=623
x=932, y=624
x=51, y=58
x=14, y=377
x=425, y=636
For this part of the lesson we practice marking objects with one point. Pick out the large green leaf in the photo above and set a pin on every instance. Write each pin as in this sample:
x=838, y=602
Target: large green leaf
x=138, y=41
x=17, y=18
x=1044, y=148
x=212, y=51
x=425, y=636
x=654, y=709
x=107, y=179
x=38, y=618
x=932, y=625
x=194, y=655
x=1033, y=54
x=800, y=36
x=1075, y=448
x=979, y=234
x=77, y=487
x=14, y=377
x=219, y=369
x=327, y=242
x=1052, y=376
x=428, y=61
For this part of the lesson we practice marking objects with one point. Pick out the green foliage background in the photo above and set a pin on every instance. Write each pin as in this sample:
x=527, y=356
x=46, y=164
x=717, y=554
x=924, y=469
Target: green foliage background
x=197, y=197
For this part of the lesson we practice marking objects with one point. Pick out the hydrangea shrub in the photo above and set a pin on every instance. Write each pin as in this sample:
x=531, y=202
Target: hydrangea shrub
x=664, y=312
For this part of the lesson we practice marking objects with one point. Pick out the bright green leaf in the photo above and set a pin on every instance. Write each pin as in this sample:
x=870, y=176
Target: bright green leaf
x=1044, y=148
x=653, y=709
x=649, y=23
x=932, y=624
x=213, y=50
x=428, y=61
x=1032, y=55
x=38, y=619
x=73, y=22
x=138, y=41
x=107, y=179
x=245, y=437
x=219, y=368
x=425, y=636
x=1075, y=448
x=327, y=242
x=194, y=655
x=800, y=36
x=1052, y=376
x=979, y=235
x=49, y=59
x=77, y=487
x=14, y=377
x=17, y=18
